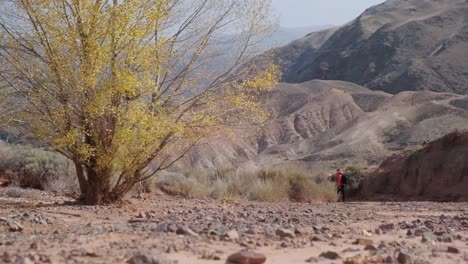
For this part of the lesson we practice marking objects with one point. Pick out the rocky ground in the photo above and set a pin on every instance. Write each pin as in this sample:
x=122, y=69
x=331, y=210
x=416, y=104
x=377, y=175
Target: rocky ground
x=161, y=229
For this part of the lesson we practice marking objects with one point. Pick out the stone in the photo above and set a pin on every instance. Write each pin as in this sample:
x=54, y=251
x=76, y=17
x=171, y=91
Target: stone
x=403, y=258
x=421, y=261
x=350, y=250
x=140, y=215
x=185, y=231
x=312, y=260
x=428, y=236
x=453, y=250
x=363, y=241
x=447, y=238
x=394, y=244
x=387, y=227
x=14, y=226
x=418, y=232
x=160, y=228
x=149, y=257
x=319, y=238
x=231, y=235
x=91, y=253
x=329, y=255
x=299, y=231
x=337, y=236
x=246, y=257
x=359, y=259
x=285, y=233
x=370, y=248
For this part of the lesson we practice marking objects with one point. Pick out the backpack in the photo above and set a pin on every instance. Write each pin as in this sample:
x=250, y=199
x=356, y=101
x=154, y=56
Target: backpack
x=344, y=179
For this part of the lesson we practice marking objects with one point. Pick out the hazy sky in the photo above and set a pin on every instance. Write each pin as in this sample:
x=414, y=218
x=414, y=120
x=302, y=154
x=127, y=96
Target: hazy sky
x=301, y=13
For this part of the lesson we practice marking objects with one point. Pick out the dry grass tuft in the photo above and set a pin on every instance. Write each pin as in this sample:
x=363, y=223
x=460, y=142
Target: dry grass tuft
x=270, y=185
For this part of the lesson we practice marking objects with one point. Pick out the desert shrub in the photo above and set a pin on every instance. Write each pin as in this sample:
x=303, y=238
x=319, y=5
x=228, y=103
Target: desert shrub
x=18, y=192
x=37, y=168
x=270, y=185
x=322, y=177
x=180, y=185
x=267, y=191
x=356, y=176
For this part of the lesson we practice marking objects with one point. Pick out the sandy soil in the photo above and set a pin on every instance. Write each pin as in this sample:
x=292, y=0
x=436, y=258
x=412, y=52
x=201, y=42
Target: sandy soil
x=47, y=229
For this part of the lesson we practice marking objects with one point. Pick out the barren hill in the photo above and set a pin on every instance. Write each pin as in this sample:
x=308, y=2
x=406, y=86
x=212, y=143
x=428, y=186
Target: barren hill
x=437, y=171
x=323, y=124
x=400, y=45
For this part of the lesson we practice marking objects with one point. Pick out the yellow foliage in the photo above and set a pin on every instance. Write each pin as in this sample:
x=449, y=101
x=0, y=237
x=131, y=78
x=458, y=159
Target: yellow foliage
x=119, y=85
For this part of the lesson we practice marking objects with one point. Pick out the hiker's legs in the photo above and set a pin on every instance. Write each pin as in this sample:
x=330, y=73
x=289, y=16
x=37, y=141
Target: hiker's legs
x=343, y=193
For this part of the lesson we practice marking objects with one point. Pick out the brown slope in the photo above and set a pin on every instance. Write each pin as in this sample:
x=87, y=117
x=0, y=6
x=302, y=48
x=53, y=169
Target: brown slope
x=399, y=45
x=436, y=172
x=323, y=124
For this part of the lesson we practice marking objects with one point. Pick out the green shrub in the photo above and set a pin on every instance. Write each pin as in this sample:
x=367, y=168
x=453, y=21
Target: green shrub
x=356, y=176
x=37, y=168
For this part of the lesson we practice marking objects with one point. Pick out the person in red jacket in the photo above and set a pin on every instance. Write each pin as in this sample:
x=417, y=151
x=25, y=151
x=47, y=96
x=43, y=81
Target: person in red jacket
x=340, y=185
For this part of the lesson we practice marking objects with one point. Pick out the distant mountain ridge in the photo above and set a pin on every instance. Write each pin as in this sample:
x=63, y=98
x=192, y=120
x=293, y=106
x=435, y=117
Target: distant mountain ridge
x=285, y=35
x=400, y=45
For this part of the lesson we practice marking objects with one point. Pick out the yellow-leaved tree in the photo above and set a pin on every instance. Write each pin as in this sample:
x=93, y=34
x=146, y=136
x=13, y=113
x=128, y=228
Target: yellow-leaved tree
x=124, y=88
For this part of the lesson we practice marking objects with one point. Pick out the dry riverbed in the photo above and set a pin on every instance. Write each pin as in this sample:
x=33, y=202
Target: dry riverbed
x=160, y=229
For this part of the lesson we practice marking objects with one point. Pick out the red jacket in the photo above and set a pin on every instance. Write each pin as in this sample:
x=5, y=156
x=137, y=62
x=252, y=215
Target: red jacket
x=339, y=179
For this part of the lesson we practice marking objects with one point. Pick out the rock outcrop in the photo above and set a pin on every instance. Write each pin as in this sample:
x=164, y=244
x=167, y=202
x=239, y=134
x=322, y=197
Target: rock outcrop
x=438, y=171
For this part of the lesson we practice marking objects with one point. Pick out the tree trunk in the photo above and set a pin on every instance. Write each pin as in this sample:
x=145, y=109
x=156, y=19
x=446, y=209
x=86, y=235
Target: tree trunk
x=98, y=189
x=81, y=177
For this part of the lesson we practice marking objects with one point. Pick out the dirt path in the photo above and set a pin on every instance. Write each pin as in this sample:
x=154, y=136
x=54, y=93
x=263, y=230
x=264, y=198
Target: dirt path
x=44, y=230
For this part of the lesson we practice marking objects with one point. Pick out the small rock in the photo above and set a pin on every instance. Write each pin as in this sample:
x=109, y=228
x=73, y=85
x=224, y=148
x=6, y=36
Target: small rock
x=140, y=215
x=160, y=228
x=428, y=236
x=231, y=235
x=23, y=260
x=447, y=238
x=370, y=248
x=418, y=232
x=350, y=250
x=298, y=231
x=403, y=258
x=330, y=255
x=337, y=236
x=246, y=257
x=387, y=227
x=453, y=250
x=394, y=244
x=14, y=226
x=319, y=238
x=312, y=260
x=34, y=245
x=365, y=260
x=185, y=231
x=364, y=242
x=281, y=232
x=149, y=257
x=92, y=254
